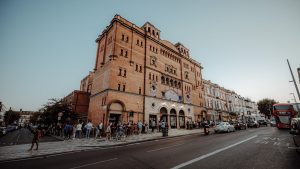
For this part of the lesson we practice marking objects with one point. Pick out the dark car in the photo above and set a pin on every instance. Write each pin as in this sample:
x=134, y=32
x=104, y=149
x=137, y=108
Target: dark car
x=239, y=125
x=295, y=131
x=262, y=122
x=253, y=124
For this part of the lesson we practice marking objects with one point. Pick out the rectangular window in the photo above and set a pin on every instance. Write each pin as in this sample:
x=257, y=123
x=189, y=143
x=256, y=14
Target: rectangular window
x=140, y=68
x=123, y=88
x=124, y=73
x=163, y=94
x=136, y=67
x=120, y=72
x=121, y=52
x=119, y=87
x=126, y=53
x=130, y=114
x=140, y=90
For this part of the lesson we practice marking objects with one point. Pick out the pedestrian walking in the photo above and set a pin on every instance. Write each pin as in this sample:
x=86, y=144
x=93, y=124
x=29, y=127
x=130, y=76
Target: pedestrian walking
x=153, y=125
x=88, y=127
x=140, y=126
x=78, y=130
x=35, y=140
x=99, y=130
x=68, y=130
x=74, y=131
x=108, y=132
x=146, y=128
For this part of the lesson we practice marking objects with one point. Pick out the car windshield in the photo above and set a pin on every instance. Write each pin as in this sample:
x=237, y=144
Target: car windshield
x=222, y=123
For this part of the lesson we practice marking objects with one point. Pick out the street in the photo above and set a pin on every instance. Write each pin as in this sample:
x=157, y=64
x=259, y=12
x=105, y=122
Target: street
x=265, y=147
x=21, y=136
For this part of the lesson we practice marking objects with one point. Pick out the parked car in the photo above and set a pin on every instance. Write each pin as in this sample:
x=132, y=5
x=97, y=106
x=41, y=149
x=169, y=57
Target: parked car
x=273, y=122
x=3, y=131
x=295, y=131
x=262, y=123
x=10, y=128
x=224, y=127
x=253, y=124
x=239, y=125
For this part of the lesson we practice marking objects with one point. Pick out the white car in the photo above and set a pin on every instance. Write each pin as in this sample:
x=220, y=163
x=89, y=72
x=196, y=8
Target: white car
x=224, y=127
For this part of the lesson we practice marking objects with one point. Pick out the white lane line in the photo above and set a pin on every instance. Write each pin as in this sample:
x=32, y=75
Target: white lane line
x=164, y=148
x=294, y=148
x=212, y=153
x=94, y=163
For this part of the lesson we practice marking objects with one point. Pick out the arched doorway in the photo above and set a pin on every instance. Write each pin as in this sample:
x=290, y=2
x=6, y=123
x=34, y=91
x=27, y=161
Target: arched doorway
x=173, y=118
x=203, y=116
x=181, y=119
x=115, y=113
x=164, y=115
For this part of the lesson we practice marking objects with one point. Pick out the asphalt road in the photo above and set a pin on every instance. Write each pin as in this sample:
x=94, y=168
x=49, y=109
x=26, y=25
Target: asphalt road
x=21, y=136
x=264, y=148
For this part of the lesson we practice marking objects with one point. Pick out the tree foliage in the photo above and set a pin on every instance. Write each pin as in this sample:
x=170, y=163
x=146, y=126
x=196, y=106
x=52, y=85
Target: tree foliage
x=35, y=118
x=50, y=112
x=11, y=116
x=265, y=106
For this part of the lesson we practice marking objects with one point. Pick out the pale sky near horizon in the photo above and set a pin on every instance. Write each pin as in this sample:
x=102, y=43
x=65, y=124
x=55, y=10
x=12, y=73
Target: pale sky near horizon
x=48, y=46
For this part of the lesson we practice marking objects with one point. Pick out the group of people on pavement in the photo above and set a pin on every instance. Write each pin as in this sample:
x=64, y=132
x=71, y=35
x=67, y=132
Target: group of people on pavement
x=118, y=130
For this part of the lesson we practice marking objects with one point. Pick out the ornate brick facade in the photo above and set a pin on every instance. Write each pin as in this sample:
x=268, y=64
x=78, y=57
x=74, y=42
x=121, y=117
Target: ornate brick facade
x=139, y=76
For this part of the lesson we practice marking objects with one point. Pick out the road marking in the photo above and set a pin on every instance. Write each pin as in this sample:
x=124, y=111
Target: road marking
x=212, y=153
x=94, y=163
x=164, y=148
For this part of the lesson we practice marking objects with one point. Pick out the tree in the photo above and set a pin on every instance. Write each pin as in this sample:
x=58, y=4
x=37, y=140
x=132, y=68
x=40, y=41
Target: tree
x=34, y=119
x=265, y=106
x=11, y=116
x=50, y=112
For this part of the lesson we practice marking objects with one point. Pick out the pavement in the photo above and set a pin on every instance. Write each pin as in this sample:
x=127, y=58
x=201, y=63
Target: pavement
x=15, y=152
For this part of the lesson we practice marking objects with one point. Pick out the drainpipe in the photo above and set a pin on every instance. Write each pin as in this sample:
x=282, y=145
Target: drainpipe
x=145, y=62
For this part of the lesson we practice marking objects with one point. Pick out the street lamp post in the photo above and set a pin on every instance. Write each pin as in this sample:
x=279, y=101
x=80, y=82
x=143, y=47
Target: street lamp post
x=298, y=74
x=294, y=79
x=296, y=104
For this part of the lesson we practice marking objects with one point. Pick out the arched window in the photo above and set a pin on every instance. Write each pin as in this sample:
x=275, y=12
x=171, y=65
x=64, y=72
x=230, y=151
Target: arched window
x=167, y=81
x=149, y=29
x=171, y=82
x=175, y=83
x=162, y=79
x=179, y=85
x=153, y=33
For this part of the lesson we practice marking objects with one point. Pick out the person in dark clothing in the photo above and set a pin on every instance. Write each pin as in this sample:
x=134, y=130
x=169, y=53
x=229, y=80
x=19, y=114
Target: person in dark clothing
x=35, y=139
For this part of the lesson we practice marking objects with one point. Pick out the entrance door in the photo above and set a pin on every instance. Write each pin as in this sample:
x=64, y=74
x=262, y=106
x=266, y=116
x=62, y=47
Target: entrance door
x=181, y=119
x=164, y=115
x=114, y=119
x=152, y=118
x=173, y=119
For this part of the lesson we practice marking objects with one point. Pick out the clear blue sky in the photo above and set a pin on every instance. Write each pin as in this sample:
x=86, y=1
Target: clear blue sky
x=47, y=47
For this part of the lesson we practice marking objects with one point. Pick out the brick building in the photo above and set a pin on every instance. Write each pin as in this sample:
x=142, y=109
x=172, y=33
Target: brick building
x=79, y=102
x=139, y=76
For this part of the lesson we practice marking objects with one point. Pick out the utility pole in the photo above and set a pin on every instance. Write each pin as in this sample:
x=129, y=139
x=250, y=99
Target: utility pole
x=294, y=81
x=295, y=103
